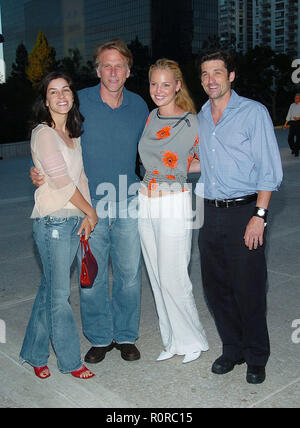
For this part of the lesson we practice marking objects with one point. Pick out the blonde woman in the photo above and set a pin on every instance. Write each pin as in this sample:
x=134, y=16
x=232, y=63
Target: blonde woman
x=167, y=147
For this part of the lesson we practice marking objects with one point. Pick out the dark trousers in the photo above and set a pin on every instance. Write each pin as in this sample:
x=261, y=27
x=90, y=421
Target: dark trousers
x=234, y=281
x=294, y=136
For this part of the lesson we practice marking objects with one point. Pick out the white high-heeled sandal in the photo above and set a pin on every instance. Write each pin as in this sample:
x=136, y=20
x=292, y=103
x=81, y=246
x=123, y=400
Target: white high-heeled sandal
x=164, y=355
x=191, y=357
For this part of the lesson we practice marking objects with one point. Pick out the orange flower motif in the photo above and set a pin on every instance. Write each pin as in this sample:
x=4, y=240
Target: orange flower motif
x=155, y=172
x=170, y=159
x=171, y=177
x=153, y=185
x=163, y=133
x=196, y=140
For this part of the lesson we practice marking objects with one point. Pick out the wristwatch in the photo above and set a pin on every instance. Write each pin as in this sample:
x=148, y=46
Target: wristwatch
x=262, y=213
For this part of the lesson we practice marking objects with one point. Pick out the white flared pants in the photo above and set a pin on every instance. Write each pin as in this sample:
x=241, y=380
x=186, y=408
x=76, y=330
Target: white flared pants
x=166, y=236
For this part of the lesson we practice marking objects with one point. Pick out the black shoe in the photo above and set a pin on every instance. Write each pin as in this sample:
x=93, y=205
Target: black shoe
x=97, y=353
x=255, y=374
x=129, y=351
x=224, y=365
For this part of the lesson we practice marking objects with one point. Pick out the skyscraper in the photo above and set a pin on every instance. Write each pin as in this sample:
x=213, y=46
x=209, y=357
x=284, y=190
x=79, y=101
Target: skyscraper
x=246, y=24
x=173, y=28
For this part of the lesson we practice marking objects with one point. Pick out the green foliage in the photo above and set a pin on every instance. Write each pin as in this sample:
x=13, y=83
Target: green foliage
x=138, y=80
x=19, y=67
x=265, y=76
x=82, y=75
x=16, y=99
x=261, y=75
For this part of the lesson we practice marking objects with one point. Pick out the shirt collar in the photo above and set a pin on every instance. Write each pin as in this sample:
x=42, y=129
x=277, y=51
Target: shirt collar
x=95, y=95
x=234, y=102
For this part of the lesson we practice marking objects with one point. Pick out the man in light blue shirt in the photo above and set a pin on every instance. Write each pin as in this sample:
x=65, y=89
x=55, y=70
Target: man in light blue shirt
x=293, y=117
x=240, y=167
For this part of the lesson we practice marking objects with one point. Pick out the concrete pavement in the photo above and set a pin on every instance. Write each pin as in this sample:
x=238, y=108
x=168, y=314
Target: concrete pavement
x=147, y=383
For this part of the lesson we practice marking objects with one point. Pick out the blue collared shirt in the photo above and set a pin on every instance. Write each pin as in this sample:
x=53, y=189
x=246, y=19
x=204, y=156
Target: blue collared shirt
x=239, y=156
x=110, y=139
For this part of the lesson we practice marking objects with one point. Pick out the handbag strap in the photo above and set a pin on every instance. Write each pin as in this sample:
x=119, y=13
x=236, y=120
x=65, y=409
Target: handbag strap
x=84, y=245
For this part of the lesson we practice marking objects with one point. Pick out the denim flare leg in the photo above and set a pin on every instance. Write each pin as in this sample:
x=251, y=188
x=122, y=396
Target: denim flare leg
x=52, y=317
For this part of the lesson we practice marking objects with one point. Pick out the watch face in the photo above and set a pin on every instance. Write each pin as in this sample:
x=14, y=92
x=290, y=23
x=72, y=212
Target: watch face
x=261, y=212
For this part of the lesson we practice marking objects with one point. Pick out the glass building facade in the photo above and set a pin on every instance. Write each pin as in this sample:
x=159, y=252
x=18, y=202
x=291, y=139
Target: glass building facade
x=2, y=63
x=275, y=23
x=174, y=27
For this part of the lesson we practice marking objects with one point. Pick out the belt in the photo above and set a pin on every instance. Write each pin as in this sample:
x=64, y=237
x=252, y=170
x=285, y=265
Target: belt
x=226, y=203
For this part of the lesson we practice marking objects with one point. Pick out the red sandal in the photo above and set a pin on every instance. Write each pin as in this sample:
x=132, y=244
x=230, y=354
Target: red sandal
x=39, y=370
x=78, y=373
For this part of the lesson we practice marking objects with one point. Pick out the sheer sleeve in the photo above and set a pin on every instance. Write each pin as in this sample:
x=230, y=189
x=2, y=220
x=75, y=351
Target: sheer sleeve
x=51, y=159
x=84, y=186
x=59, y=187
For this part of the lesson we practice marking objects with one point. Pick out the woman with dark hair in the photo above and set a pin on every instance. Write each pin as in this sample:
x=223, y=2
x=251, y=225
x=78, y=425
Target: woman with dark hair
x=62, y=212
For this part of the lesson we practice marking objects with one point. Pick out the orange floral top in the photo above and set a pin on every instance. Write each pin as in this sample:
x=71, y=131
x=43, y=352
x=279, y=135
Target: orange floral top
x=166, y=148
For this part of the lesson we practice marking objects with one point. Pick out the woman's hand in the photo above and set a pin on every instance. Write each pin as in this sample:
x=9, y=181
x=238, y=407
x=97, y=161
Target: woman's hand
x=85, y=228
x=194, y=166
x=88, y=223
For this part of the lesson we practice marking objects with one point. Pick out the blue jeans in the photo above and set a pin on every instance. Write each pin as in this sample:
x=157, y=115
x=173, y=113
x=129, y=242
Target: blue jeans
x=106, y=318
x=52, y=317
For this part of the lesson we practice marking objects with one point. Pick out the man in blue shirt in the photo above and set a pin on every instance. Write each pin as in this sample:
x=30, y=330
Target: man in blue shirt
x=114, y=121
x=240, y=167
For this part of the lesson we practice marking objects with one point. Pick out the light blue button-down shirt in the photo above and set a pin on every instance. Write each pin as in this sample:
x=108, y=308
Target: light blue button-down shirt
x=239, y=156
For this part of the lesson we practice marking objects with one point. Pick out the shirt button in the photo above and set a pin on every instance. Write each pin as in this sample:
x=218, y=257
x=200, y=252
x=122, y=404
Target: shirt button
x=212, y=166
x=213, y=150
x=214, y=133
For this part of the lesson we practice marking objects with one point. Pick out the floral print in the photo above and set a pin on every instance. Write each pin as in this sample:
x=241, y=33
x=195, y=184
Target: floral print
x=153, y=185
x=163, y=133
x=167, y=148
x=170, y=159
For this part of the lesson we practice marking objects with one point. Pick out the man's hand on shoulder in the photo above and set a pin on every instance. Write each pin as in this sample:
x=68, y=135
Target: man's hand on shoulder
x=35, y=177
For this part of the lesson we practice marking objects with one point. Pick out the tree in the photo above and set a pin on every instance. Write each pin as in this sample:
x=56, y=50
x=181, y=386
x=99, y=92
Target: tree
x=82, y=75
x=16, y=97
x=138, y=80
x=19, y=67
x=41, y=59
x=264, y=75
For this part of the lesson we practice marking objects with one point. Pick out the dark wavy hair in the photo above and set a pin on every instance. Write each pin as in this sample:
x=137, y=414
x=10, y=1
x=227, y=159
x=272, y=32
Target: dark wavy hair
x=41, y=112
x=213, y=55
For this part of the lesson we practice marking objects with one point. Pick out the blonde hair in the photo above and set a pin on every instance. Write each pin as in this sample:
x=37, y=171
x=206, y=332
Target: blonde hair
x=117, y=44
x=182, y=99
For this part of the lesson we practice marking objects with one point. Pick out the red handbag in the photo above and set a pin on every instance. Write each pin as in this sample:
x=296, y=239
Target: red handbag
x=89, y=266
